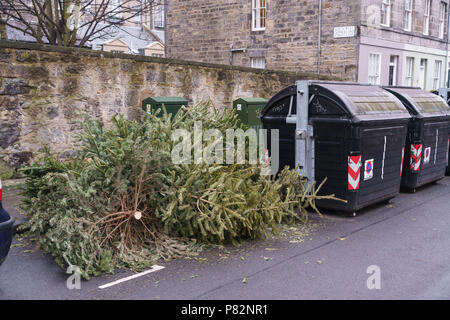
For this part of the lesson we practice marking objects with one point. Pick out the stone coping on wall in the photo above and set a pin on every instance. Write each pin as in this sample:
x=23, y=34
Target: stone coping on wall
x=7, y=44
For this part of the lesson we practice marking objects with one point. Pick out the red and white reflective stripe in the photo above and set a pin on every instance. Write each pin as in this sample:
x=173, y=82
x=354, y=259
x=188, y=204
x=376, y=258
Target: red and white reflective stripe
x=403, y=159
x=354, y=172
x=416, y=157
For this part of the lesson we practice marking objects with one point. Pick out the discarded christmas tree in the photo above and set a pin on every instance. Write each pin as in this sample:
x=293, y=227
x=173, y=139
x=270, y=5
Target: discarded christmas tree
x=122, y=202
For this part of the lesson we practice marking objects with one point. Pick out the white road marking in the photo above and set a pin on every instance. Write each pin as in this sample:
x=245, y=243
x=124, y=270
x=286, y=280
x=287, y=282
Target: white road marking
x=153, y=269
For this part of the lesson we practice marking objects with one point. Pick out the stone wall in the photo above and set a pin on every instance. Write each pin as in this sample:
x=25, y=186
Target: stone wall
x=43, y=87
x=202, y=30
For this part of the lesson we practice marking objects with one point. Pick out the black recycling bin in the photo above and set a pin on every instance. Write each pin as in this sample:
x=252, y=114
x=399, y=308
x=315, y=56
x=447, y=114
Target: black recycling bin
x=426, y=158
x=6, y=230
x=358, y=134
x=445, y=94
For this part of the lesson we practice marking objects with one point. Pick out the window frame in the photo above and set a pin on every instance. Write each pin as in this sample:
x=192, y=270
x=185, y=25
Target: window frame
x=370, y=67
x=408, y=15
x=393, y=62
x=386, y=14
x=437, y=74
x=409, y=78
x=116, y=5
x=258, y=66
x=256, y=12
x=442, y=18
x=137, y=19
x=158, y=15
x=426, y=18
x=423, y=65
x=447, y=75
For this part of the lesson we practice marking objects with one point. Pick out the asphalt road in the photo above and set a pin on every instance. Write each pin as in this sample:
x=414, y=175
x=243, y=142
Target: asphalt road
x=409, y=241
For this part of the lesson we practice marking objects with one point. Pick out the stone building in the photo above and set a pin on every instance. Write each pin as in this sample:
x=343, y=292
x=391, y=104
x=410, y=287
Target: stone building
x=398, y=42
x=140, y=32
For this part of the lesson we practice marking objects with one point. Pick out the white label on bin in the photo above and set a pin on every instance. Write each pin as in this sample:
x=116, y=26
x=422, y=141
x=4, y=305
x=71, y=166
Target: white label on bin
x=239, y=107
x=427, y=156
x=368, y=169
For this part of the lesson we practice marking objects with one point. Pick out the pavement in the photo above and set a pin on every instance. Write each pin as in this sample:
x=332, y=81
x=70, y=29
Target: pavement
x=407, y=242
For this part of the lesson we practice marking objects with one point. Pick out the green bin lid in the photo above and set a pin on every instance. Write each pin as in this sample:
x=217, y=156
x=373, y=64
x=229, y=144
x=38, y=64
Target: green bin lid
x=251, y=100
x=167, y=100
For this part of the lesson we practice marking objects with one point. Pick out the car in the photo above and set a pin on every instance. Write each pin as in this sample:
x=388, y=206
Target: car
x=6, y=230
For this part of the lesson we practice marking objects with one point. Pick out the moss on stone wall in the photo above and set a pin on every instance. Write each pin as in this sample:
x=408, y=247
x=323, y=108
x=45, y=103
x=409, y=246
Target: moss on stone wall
x=6, y=172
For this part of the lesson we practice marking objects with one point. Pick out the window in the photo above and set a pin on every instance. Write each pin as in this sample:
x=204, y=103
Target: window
x=258, y=15
x=393, y=67
x=115, y=11
x=437, y=74
x=426, y=18
x=448, y=75
x=158, y=16
x=408, y=14
x=374, y=68
x=258, y=63
x=409, y=71
x=442, y=15
x=423, y=70
x=386, y=13
x=137, y=15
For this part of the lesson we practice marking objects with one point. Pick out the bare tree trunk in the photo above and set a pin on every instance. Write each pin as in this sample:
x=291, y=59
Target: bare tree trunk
x=3, y=33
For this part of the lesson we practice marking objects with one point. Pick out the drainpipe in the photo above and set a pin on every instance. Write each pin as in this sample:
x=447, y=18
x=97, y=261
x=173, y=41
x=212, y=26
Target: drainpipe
x=447, y=80
x=319, y=42
x=166, y=7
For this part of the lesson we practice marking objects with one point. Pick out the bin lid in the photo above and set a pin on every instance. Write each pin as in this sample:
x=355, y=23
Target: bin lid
x=167, y=100
x=420, y=102
x=251, y=100
x=448, y=94
x=358, y=102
